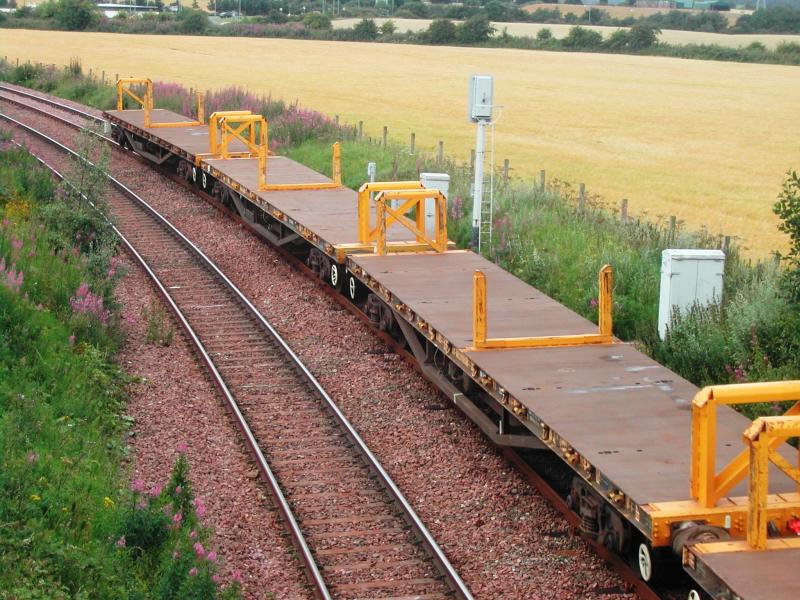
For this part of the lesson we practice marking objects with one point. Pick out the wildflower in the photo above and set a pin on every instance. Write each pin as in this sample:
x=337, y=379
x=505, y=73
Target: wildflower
x=6, y=223
x=177, y=518
x=137, y=485
x=36, y=497
x=212, y=556
x=193, y=571
x=72, y=340
x=182, y=448
x=593, y=303
x=108, y=502
x=16, y=244
x=199, y=550
x=32, y=253
x=193, y=534
x=176, y=555
x=32, y=457
x=237, y=576
x=215, y=578
x=121, y=542
x=178, y=489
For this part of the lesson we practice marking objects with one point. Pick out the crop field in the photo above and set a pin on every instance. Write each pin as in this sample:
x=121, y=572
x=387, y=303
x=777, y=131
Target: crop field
x=706, y=141
x=620, y=12
x=560, y=31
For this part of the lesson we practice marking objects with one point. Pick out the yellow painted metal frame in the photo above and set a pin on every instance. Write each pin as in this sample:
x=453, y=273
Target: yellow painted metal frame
x=742, y=516
x=762, y=437
x=707, y=486
x=481, y=341
x=364, y=226
x=411, y=199
x=146, y=102
x=253, y=131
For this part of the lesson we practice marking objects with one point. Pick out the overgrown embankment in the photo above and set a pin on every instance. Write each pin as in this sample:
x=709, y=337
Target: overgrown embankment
x=544, y=237
x=69, y=524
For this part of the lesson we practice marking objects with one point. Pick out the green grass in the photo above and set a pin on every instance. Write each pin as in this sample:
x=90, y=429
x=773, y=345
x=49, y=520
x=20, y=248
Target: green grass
x=69, y=525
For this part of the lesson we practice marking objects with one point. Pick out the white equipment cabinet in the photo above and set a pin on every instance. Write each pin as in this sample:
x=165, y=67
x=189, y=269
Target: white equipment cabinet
x=433, y=181
x=688, y=277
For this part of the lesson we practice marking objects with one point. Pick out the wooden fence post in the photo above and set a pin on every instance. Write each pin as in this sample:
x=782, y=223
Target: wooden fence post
x=413, y=142
x=360, y=129
x=673, y=223
x=623, y=211
x=336, y=120
x=505, y=171
x=726, y=244
x=542, y=179
x=472, y=160
x=385, y=135
x=440, y=153
x=582, y=197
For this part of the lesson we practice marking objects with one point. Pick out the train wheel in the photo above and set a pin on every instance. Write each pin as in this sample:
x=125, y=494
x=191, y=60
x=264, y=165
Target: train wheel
x=645, y=561
x=335, y=276
x=354, y=289
x=194, y=174
x=205, y=180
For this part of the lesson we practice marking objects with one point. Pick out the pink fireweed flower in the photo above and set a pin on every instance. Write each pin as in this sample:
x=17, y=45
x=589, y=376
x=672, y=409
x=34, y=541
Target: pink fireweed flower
x=593, y=303
x=137, y=485
x=212, y=556
x=199, y=550
x=32, y=457
x=182, y=448
x=72, y=340
x=155, y=491
x=237, y=576
x=176, y=555
x=177, y=518
x=178, y=489
x=200, y=507
x=193, y=571
x=121, y=542
x=193, y=534
x=16, y=244
x=216, y=578
x=85, y=302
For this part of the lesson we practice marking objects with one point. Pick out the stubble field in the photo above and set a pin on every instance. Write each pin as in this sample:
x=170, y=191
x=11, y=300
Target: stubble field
x=706, y=141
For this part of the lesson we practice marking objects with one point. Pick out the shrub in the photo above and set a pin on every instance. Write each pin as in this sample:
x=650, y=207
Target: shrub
x=618, y=40
x=475, y=30
x=365, y=30
x=544, y=35
x=642, y=36
x=318, y=21
x=192, y=21
x=76, y=15
x=388, y=27
x=441, y=31
x=580, y=38
x=787, y=207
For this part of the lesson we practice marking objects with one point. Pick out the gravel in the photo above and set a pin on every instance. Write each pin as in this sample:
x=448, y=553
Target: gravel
x=502, y=536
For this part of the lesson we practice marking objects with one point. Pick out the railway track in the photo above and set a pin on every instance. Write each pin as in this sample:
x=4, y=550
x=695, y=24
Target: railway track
x=355, y=533
x=628, y=574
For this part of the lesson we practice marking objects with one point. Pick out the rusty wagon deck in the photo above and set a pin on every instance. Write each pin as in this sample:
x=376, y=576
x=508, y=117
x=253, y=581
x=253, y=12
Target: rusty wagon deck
x=327, y=218
x=626, y=415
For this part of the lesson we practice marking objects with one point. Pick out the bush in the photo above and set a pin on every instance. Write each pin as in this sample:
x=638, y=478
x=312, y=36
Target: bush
x=787, y=207
x=618, y=40
x=317, y=21
x=474, y=30
x=388, y=27
x=642, y=36
x=76, y=15
x=192, y=21
x=580, y=38
x=441, y=31
x=544, y=35
x=365, y=30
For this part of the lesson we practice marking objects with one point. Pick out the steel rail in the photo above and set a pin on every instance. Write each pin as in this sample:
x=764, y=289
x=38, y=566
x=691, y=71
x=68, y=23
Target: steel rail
x=619, y=564
x=438, y=556
x=53, y=103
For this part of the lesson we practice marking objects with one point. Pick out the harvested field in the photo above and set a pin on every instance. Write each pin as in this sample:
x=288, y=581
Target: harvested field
x=560, y=31
x=706, y=141
x=620, y=12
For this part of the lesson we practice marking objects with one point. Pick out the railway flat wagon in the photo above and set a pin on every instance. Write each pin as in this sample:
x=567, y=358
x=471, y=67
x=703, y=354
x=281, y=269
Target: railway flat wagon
x=658, y=471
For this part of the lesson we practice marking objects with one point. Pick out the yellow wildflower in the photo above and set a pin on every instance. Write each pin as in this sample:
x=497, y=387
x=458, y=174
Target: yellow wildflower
x=35, y=497
x=108, y=502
